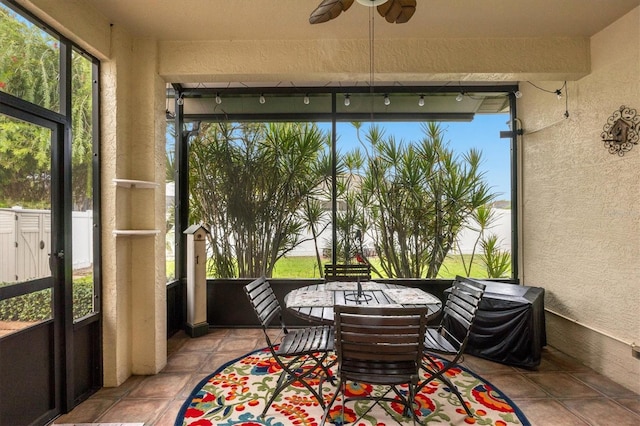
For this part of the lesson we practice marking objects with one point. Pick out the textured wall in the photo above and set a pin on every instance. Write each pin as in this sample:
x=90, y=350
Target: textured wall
x=116, y=252
x=580, y=206
x=76, y=21
x=487, y=59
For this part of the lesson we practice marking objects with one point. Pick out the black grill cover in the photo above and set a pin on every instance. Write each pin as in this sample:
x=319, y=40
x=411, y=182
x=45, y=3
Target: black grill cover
x=509, y=327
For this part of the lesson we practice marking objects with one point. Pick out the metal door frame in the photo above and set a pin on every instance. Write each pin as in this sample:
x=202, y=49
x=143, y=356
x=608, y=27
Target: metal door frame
x=52, y=330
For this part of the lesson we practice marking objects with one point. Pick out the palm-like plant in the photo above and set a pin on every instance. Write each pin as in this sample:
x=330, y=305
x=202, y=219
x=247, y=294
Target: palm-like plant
x=497, y=262
x=251, y=183
x=419, y=196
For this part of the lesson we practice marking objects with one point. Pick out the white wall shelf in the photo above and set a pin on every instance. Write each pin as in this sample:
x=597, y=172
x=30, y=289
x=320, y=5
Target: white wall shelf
x=131, y=183
x=135, y=184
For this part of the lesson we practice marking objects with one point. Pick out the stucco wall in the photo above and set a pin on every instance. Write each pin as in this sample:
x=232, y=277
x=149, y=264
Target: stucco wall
x=440, y=60
x=580, y=207
x=116, y=293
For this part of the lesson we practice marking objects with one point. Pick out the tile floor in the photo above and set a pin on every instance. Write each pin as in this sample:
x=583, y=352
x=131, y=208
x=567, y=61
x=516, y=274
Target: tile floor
x=560, y=392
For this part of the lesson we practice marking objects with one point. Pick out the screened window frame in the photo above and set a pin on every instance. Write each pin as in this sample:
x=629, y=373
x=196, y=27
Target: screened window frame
x=181, y=96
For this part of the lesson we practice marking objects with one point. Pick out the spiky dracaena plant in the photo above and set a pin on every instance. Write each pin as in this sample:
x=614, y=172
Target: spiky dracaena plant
x=419, y=197
x=250, y=182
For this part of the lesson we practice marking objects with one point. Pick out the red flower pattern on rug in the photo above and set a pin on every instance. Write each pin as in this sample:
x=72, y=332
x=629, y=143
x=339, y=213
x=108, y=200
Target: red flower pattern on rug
x=235, y=396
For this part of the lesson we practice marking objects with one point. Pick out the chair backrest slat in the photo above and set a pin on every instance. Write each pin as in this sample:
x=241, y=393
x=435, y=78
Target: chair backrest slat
x=461, y=306
x=459, y=309
x=347, y=272
x=374, y=340
x=263, y=300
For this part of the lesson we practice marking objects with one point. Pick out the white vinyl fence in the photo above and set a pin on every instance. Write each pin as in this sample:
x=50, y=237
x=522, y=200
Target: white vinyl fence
x=466, y=238
x=25, y=243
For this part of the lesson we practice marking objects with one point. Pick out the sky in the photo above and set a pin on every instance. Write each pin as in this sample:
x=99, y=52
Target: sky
x=483, y=133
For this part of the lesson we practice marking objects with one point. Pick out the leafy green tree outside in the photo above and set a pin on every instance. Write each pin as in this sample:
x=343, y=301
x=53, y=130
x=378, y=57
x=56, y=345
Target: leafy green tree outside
x=415, y=198
x=251, y=183
x=30, y=70
x=260, y=186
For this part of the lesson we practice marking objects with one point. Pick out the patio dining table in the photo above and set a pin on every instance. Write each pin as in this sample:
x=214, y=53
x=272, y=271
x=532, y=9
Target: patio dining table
x=315, y=302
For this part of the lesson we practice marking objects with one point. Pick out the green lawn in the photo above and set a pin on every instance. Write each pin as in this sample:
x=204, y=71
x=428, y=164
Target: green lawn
x=306, y=267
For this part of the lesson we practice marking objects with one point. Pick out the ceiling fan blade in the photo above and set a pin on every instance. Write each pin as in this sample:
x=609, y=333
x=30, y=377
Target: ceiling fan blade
x=397, y=11
x=329, y=9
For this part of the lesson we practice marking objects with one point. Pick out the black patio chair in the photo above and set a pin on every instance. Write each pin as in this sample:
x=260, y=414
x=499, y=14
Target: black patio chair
x=347, y=272
x=379, y=346
x=450, y=337
x=301, y=353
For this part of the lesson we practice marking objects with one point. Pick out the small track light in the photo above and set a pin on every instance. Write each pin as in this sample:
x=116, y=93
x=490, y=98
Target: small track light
x=421, y=101
x=347, y=100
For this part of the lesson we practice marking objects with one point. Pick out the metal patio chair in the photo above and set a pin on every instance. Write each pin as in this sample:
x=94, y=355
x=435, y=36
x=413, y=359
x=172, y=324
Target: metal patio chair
x=301, y=353
x=380, y=346
x=347, y=272
x=450, y=337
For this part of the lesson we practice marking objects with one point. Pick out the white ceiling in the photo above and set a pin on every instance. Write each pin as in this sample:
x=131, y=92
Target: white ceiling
x=288, y=19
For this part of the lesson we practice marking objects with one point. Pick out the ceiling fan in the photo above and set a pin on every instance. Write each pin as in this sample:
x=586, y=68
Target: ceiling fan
x=394, y=11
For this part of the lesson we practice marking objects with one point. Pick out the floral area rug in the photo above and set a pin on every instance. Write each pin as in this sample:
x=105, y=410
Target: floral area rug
x=237, y=392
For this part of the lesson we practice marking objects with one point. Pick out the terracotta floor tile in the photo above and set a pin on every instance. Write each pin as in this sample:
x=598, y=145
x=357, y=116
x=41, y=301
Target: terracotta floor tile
x=189, y=361
x=87, y=411
x=122, y=390
x=191, y=384
x=555, y=360
x=603, y=384
x=176, y=341
x=562, y=385
x=207, y=343
x=515, y=385
x=218, y=360
x=248, y=333
x=168, y=417
x=602, y=412
x=548, y=412
x=162, y=385
x=632, y=404
x=135, y=410
x=482, y=366
x=240, y=344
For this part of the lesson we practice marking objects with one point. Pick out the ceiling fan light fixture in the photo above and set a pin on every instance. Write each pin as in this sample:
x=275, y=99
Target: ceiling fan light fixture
x=371, y=3
x=393, y=11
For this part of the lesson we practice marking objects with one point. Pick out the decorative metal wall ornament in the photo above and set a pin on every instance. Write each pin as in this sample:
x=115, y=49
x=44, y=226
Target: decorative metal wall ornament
x=622, y=131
